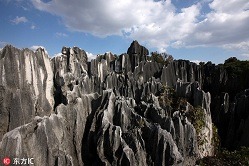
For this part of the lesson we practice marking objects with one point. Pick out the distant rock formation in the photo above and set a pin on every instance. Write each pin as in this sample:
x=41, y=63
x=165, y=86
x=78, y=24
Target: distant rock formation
x=114, y=110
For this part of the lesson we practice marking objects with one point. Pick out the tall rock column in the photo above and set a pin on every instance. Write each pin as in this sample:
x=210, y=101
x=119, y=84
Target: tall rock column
x=137, y=54
x=26, y=87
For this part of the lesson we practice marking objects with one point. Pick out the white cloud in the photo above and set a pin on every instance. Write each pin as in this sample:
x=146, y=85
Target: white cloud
x=231, y=6
x=144, y=20
x=241, y=46
x=19, y=20
x=226, y=24
x=58, y=54
x=195, y=61
x=159, y=24
x=32, y=27
x=35, y=47
x=245, y=55
x=90, y=56
x=59, y=34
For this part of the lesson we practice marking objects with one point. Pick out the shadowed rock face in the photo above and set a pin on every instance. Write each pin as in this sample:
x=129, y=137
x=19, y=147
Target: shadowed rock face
x=229, y=106
x=137, y=54
x=110, y=111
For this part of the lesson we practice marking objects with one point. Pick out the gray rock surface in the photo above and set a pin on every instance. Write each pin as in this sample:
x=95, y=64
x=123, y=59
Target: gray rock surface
x=182, y=70
x=114, y=110
x=137, y=53
x=26, y=87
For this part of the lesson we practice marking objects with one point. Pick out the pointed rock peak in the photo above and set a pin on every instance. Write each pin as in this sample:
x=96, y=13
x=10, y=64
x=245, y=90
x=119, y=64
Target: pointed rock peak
x=5, y=50
x=135, y=42
x=73, y=51
x=64, y=50
x=42, y=50
x=8, y=47
x=137, y=53
x=136, y=48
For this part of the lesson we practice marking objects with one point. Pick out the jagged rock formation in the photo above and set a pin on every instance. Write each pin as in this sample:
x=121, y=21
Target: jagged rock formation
x=114, y=110
x=26, y=87
x=137, y=54
x=181, y=70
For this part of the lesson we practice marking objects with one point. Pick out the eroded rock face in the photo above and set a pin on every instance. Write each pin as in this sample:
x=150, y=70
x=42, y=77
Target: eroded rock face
x=26, y=87
x=183, y=70
x=53, y=140
x=197, y=97
x=137, y=53
x=110, y=111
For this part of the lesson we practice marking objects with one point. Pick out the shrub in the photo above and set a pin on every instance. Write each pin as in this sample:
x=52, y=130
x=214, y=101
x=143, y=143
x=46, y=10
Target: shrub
x=197, y=117
x=215, y=140
x=236, y=67
x=162, y=58
x=166, y=97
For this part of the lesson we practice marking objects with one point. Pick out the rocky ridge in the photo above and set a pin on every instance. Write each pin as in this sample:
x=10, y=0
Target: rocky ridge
x=114, y=110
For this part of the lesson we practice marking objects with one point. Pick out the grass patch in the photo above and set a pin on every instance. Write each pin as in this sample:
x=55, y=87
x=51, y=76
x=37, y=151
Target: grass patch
x=215, y=140
x=197, y=117
x=228, y=158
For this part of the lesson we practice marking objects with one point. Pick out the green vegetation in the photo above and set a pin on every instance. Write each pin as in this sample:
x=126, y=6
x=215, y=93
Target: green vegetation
x=215, y=139
x=237, y=72
x=166, y=97
x=195, y=115
x=224, y=157
x=141, y=122
x=197, y=118
x=162, y=58
x=236, y=67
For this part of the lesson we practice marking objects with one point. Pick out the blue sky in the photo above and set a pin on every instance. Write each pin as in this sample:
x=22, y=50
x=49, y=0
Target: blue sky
x=204, y=30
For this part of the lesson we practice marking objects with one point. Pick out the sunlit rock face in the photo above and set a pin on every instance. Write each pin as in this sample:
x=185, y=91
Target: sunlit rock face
x=113, y=110
x=197, y=97
x=183, y=70
x=26, y=87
